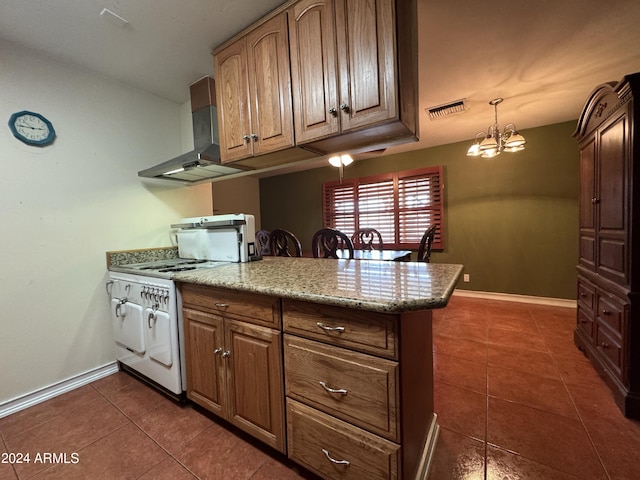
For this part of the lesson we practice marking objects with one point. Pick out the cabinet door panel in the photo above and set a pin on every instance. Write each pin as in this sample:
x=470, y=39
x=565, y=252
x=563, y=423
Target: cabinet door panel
x=232, y=96
x=366, y=61
x=587, y=205
x=270, y=86
x=611, y=255
x=254, y=378
x=612, y=176
x=205, y=371
x=313, y=69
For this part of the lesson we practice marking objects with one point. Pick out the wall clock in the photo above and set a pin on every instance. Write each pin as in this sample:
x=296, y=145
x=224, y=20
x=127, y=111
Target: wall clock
x=32, y=128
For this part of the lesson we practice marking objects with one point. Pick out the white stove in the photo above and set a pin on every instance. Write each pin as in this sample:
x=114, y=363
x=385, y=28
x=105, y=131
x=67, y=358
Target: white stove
x=166, y=268
x=145, y=308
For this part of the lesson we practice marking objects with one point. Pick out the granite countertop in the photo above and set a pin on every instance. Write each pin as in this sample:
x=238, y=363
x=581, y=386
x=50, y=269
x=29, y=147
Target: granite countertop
x=391, y=287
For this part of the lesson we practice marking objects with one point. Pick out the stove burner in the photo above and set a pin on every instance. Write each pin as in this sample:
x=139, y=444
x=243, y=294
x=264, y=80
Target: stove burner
x=176, y=269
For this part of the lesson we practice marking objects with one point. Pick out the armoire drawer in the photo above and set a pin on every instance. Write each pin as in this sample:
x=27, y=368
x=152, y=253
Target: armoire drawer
x=610, y=348
x=337, y=450
x=368, y=332
x=585, y=321
x=611, y=311
x=586, y=294
x=358, y=388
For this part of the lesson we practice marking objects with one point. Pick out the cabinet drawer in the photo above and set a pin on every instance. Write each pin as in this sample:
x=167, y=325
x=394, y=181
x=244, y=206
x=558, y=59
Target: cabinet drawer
x=585, y=321
x=318, y=442
x=249, y=307
x=365, y=388
x=611, y=313
x=610, y=348
x=368, y=332
x=586, y=294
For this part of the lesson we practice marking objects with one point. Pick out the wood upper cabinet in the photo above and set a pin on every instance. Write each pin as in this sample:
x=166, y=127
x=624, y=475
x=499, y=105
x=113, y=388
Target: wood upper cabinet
x=234, y=364
x=253, y=92
x=343, y=65
x=313, y=69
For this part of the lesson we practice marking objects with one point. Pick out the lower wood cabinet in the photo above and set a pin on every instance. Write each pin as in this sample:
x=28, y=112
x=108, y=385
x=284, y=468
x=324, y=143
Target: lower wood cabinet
x=359, y=384
x=359, y=389
x=234, y=368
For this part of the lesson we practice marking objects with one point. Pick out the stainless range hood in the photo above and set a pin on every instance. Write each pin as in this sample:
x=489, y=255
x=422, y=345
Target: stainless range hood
x=203, y=162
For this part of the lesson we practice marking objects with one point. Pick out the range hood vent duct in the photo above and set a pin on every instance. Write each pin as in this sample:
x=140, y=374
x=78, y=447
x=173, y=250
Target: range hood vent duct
x=203, y=162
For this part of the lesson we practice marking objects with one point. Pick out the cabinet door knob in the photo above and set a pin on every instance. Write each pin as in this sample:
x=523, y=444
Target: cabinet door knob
x=605, y=311
x=604, y=345
x=327, y=328
x=226, y=354
x=595, y=200
x=344, y=107
x=333, y=111
x=246, y=138
x=341, y=391
x=333, y=460
x=217, y=351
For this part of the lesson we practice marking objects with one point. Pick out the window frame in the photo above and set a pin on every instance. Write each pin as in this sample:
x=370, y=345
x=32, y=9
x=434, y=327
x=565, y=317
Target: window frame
x=337, y=213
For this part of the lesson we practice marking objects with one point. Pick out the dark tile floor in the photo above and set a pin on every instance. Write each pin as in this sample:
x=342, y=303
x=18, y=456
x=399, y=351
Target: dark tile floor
x=515, y=400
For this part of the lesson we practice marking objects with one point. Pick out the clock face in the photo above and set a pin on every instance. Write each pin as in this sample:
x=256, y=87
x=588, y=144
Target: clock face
x=32, y=128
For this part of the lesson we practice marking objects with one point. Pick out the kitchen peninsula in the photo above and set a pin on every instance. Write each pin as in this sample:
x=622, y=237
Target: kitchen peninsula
x=344, y=347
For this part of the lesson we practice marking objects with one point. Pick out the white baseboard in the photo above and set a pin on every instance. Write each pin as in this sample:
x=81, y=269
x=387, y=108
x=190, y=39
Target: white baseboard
x=510, y=297
x=44, y=394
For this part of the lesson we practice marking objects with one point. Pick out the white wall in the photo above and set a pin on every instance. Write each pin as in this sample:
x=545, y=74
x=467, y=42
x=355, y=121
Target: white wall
x=63, y=206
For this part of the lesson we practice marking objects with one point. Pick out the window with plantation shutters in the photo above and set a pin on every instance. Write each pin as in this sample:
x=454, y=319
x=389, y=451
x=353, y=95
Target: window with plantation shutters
x=400, y=205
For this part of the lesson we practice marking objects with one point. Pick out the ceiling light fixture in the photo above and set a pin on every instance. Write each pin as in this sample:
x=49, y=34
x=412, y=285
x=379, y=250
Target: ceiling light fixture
x=494, y=141
x=341, y=161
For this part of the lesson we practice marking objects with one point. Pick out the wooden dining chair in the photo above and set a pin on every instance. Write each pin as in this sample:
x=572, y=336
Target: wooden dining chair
x=327, y=241
x=284, y=244
x=424, y=249
x=262, y=242
x=367, y=239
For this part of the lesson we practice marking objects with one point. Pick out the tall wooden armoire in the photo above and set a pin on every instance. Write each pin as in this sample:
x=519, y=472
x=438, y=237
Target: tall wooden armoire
x=608, y=318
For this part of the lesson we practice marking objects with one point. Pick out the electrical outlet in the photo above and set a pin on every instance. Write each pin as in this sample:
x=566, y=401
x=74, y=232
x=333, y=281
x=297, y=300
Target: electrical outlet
x=466, y=278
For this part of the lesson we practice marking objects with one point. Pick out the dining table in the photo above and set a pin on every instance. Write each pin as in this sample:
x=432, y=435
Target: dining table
x=389, y=255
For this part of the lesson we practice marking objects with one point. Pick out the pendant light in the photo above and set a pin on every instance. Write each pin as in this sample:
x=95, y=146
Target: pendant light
x=494, y=141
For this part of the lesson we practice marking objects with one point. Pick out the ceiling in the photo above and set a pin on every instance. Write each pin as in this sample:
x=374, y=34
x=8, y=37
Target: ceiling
x=543, y=57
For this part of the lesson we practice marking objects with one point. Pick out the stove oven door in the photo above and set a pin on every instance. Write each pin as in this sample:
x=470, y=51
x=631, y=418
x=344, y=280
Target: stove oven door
x=159, y=335
x=128, y=325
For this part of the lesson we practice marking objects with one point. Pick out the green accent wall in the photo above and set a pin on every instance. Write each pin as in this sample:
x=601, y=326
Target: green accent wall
x=512, y=220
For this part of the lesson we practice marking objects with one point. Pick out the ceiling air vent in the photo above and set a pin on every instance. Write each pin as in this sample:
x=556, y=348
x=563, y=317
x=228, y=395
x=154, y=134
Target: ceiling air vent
x=445, y=110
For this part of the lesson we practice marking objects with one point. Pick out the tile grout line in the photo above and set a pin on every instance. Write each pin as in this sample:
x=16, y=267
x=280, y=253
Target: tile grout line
x=584, y=426
x=132, y=422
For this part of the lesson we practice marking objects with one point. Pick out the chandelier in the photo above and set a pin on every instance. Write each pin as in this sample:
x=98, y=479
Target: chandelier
x=494, y=141
x=341, y=161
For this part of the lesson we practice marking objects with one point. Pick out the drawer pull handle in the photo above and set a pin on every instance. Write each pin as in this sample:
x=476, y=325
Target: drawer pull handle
x=341, y=391
x=333, y=460
x=330, y=329
x=222, y=305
